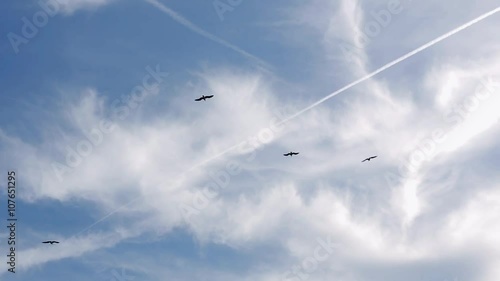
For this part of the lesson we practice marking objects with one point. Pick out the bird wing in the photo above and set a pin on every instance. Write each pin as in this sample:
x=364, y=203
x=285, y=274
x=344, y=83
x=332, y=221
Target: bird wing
x=46, y=242
x=209, y=97
x=198, y=99
x=364, y=160
x=56, y=242
x=373, y=157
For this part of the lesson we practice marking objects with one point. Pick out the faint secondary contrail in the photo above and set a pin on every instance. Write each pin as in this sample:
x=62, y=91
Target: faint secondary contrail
x=107, y=216
x=180, y=19
x=394, y=62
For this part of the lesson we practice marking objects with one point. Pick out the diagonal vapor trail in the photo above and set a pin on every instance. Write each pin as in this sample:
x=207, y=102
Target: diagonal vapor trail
x=368, y=76
x=394, y=62
x=185, y=22
x=381, y=69
x=107, y=216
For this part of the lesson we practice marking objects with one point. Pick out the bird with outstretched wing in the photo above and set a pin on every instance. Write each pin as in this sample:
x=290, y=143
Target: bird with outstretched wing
x=369, y=158
x=203, y=97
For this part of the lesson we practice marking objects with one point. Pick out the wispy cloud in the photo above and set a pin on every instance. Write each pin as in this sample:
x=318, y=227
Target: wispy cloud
x=433, y=218
x=397, y=61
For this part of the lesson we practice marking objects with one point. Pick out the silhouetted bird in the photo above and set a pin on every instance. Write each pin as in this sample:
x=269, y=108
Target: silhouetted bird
x=50, y=242
x=203, y=97
x=369, y=158
x=291, y=153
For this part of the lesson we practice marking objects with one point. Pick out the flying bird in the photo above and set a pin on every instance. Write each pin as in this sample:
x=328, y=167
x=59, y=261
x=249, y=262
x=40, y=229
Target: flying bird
x=203, y=97
x=369, y=158
x=290, y=153
x=50, y=242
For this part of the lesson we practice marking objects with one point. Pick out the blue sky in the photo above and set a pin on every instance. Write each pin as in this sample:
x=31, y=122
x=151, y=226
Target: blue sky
x=138, y=181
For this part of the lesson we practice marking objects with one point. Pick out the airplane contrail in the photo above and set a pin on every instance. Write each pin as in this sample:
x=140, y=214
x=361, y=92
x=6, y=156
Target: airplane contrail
x=185, y=22
x=368, y=76
x=106, y=216
x=394, y=62
x=385, y=67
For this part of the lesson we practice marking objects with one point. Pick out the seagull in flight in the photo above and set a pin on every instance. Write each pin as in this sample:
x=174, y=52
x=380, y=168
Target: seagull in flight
x=291, y=153
x=50, y=242
x=203, y=97
x=369, y=158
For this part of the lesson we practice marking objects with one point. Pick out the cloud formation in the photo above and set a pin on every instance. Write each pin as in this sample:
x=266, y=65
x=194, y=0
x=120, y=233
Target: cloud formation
x=425, y=209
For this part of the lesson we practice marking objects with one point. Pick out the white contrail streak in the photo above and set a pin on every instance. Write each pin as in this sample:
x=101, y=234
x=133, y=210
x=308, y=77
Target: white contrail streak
x=370, y=75
x=107, y=216
x=185, y=22
x=394, y=62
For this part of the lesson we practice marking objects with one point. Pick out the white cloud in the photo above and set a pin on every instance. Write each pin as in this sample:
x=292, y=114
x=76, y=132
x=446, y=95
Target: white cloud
x=443, y=214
